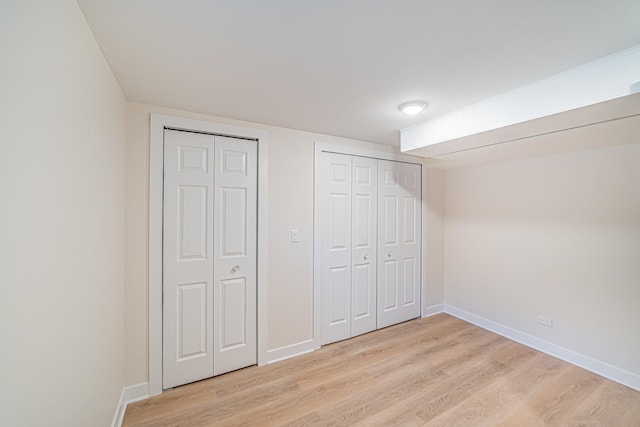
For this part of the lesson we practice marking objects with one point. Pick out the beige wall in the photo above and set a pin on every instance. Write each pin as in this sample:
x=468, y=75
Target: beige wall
x=556, y=236
x=290, y=266
x=435, y=221
x=63, y=121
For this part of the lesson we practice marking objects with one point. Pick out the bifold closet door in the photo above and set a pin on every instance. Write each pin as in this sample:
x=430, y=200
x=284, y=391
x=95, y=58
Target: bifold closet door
x=349, y=194
x=364, y=220
x=187, y=271
x=399, y=231
x=235, y=254
x=209, y=256
x=336, y=247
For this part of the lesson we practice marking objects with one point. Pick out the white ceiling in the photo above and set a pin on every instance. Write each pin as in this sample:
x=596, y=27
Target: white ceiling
x=342, y=67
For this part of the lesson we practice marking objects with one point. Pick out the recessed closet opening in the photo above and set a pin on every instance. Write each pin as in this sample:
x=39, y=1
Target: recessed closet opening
x=207, y=256
x=368, y=241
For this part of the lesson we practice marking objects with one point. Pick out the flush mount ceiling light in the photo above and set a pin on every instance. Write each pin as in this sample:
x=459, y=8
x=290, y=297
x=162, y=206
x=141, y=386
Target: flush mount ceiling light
x=412, y=108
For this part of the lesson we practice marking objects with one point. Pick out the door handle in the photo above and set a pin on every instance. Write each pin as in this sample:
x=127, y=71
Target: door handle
x=366, y=256
x=389, y=254
x=235, y=268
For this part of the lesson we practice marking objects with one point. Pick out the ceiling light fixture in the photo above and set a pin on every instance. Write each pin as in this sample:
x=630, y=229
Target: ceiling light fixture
x=412, y=108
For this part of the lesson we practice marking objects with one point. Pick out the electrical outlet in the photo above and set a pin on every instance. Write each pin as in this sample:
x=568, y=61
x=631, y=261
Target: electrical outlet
x=545, y=321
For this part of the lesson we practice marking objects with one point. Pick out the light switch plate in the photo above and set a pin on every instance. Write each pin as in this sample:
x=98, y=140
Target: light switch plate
x=295, y=235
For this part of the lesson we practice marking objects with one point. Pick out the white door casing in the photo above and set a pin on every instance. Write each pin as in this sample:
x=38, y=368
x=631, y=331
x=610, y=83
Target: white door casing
x=234, y=273
x=399, y=242
x=364, y=244
x=209, y=260
x=336, y=247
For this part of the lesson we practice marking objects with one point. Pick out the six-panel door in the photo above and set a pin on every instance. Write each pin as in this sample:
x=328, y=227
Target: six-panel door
x=209, y=256
x=364, y=221
x=399, y=231
x=234, y=273
x=336, y=247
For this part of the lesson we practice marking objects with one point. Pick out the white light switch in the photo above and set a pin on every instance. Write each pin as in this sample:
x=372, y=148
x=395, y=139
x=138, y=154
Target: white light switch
x=295, y=235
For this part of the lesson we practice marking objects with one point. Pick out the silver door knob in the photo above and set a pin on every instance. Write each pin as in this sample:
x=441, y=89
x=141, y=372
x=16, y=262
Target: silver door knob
x=366, y=256
x=235, y=268
x=389, y=254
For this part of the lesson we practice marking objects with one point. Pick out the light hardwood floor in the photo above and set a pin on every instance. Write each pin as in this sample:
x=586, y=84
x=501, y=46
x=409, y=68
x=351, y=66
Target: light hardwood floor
x=439, y=371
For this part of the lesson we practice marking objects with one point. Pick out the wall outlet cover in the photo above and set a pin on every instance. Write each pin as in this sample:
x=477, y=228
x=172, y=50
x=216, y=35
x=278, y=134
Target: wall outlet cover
x=545, y=321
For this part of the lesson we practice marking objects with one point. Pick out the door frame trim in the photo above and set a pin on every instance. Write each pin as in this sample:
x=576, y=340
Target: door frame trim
x=158, y=123
x=319, y=148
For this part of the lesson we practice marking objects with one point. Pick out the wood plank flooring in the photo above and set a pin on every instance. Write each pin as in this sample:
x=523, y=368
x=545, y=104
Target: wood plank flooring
x=439, y=371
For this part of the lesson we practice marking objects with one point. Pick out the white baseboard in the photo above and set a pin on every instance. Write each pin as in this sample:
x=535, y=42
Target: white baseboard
x=289, y=351
x=613, y=373
x=140, y=391
x=433, y=310
x=130, y=394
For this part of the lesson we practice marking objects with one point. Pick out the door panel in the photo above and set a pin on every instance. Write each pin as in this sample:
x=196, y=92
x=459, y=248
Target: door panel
x=338, y=289
x=187, y=258
x=364, y=244
x=411, y=250
x=233, y=222
x=361, y=292
x=409, y=281
x=234, y=316
x=339, y=207
x=363, y=207
x=234, y=277
x=409, y=221
x=399, y=249
x=390, y=220
x=192, y=222
x=192, y=320
x=336, y=247
x=390, y=286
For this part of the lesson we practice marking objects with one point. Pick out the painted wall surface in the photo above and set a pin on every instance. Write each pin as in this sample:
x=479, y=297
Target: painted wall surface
x=555, y=236
x=435, y=220
x=63, y=121
x=290, y=265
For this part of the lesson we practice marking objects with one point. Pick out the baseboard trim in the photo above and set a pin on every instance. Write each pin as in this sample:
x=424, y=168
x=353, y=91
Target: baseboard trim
x=433, y=310
x=130, y=394
x=289, y=351
x=613, y=373
x=137, y=392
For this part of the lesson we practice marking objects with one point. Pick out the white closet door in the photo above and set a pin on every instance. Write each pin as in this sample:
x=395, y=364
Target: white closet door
x=336, y=247
x=209, y=256
x=235, y=231
x=364, y=246
x=187, y=258
x=399, y=200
